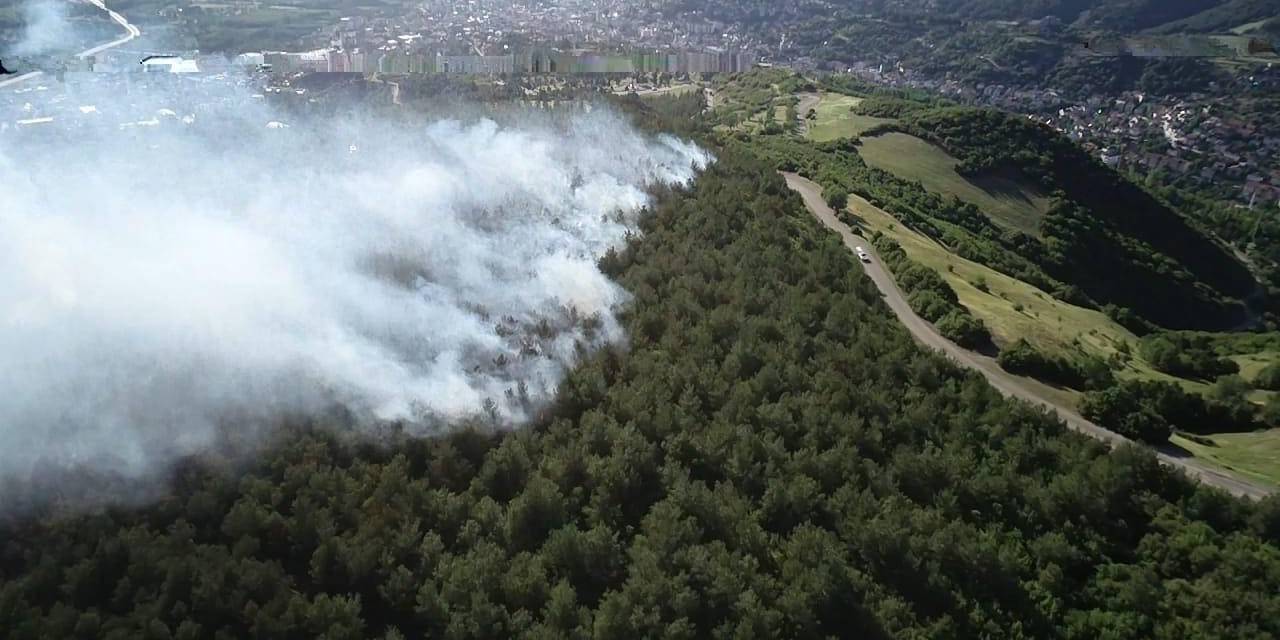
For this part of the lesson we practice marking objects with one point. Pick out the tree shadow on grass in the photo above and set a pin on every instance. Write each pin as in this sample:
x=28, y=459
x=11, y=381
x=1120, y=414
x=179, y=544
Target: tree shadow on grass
x=1173, y=450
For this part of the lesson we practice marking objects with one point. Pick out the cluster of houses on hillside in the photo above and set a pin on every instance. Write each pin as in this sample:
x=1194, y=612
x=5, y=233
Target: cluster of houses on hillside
x=1194, y=137
x=1188, y=138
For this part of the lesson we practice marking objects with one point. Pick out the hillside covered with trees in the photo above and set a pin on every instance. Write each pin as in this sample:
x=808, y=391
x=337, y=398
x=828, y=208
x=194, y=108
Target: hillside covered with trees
x=1015, y=44
x=1083, y=287
x=1103, y=233
x=770, y=456
x=1104, y=243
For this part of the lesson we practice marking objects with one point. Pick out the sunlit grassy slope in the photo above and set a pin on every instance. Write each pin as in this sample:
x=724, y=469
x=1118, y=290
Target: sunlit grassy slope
x=834, y=118
x=1013, y=309
x=1255, y=455
x=1006, y=201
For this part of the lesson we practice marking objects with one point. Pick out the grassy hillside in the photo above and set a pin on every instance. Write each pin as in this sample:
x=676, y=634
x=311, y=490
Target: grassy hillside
x=1023, y=200
x=1012, y=309
x=1135, y=15
x=1224, y=17
x=1117, y=242
x=834, y=118
x=1104, y=242
x=1015, y=204
x=1255, y=455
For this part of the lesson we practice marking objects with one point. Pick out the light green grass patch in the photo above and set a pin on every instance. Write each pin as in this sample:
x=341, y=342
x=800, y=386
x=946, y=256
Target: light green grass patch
x=1013, y=309
x=834, y=118
x=1255, y=455
x=1250, y=365
x=1253, y=363
x=1006, y=201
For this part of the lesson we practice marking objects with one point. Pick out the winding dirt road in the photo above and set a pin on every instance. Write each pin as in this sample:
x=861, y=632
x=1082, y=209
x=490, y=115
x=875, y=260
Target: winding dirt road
x=1004, y=382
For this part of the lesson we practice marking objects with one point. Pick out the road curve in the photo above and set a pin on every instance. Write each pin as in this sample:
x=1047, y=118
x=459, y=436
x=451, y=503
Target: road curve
x=131, y=32
x=1004, y=382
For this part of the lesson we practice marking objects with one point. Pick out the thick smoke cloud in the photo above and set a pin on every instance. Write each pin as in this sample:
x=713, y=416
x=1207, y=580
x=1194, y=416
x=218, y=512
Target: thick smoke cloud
x=164, y=281
x=46, y=28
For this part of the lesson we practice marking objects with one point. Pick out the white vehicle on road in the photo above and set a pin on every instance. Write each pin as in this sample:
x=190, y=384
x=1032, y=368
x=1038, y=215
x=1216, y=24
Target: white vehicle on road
x=862, y=254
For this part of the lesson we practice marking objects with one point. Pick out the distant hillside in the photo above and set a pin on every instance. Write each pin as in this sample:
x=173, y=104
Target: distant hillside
x=1137, y=15
x=1225, y=16
x=1106, y=236
x=1111, y=15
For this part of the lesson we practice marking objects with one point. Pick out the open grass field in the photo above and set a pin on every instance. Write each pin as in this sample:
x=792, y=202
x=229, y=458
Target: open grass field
x=1255, y=455
x=1252, y=363
x=1005, y=201
x=834, y=118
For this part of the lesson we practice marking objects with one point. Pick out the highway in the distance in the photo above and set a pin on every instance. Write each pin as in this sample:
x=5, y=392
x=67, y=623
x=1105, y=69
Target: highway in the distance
x=1005, y=382
x=131, y=32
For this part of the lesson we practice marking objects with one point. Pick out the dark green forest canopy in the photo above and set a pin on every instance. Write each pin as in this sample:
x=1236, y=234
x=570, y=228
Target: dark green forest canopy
x=770, y=456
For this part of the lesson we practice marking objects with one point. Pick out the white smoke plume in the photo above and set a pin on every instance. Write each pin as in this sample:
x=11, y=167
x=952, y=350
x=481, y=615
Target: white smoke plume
x=45, y=27
x=162, y=282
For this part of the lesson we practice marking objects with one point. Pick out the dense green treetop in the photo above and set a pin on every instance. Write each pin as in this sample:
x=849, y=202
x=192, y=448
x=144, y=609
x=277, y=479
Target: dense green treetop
x=770, y=455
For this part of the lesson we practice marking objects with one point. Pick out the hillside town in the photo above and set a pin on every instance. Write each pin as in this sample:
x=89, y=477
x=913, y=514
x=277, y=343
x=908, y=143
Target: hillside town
x=494, y=27
x=1192, y=138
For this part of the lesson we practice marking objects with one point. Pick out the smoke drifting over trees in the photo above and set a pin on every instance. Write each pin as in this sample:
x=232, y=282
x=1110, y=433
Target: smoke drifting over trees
x=160, y=283
x=45, y=28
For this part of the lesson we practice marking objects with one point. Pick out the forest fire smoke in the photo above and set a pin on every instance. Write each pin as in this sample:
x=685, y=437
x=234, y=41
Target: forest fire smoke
x=158, y=287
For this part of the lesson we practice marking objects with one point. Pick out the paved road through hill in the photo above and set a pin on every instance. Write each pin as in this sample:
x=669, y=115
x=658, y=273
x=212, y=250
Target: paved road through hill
x=131, y=31
x=1003, y=381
